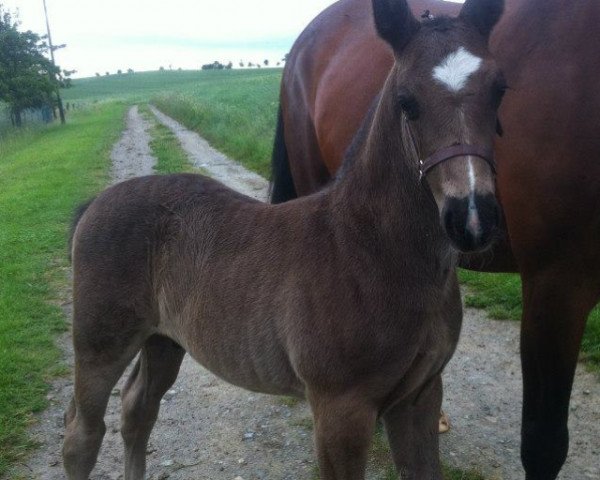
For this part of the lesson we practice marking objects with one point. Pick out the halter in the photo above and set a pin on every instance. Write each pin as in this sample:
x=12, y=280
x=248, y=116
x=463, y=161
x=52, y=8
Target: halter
x=485, y=153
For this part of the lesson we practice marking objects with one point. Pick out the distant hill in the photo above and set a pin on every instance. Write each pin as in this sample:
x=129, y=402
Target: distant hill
x=142, y=86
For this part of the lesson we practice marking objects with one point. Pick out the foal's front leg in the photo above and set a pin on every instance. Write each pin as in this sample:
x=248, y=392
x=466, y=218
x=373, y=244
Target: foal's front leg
x=344, y=428
x=412, y=430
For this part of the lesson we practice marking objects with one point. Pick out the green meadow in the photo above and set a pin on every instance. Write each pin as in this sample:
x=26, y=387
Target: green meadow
x=45, y=171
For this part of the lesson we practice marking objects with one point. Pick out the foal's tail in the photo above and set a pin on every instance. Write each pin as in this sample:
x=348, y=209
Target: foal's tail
x=282, y=186
x=77, y=214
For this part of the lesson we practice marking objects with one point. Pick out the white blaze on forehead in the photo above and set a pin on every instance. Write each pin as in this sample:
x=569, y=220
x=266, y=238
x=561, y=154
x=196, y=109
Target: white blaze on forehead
x=456, y=68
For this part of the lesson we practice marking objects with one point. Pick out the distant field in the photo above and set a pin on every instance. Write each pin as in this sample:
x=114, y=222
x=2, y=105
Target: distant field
x=136, y=87
x=235, y=110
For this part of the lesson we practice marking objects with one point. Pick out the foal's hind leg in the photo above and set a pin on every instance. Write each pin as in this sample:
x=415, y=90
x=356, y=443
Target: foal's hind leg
x=154, y=373
x=344, y=428
x=412, y=429
x=95, y=376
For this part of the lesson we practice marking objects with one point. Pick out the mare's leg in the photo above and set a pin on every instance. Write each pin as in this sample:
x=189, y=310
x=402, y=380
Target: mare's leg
x=412, y=429
x=556, y=304
x=344, y=428
x=99, y=362
x=154, y=373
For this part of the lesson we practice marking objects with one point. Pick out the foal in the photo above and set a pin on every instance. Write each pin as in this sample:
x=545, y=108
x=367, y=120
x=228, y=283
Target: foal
x=347, y=297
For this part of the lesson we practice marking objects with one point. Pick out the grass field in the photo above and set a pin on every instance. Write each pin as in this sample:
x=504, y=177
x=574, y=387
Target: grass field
x=44, y=173
x=133, y=88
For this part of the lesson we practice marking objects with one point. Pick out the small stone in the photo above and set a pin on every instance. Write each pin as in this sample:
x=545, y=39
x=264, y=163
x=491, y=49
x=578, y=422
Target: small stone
x=586, y=392
x=241, y=461
x=115, y=392
x=249, y=435
x=238, y=478
x=167, y=463
x=54, y=463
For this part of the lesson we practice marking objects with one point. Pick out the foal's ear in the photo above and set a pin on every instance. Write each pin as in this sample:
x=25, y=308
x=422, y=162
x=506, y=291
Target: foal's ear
x=395, y=22
x=482, y=14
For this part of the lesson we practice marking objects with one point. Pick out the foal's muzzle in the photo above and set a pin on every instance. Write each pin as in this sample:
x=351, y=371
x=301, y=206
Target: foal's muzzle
x=471, y=222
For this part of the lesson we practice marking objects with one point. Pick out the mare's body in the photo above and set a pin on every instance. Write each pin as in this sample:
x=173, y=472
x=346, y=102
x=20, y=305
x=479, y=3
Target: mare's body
x=548, y=170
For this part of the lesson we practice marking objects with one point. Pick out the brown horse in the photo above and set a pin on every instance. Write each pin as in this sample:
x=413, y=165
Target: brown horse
x=548, y=171
x=165, y=265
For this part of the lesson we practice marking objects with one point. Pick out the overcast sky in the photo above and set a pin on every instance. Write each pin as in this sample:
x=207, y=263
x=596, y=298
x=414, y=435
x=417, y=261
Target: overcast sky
x=106, y=35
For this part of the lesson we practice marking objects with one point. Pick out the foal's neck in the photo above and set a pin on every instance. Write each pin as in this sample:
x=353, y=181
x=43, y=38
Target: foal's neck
x=379, y=193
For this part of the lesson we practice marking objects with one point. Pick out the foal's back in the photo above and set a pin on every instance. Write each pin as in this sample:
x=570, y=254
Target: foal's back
x=262, y=295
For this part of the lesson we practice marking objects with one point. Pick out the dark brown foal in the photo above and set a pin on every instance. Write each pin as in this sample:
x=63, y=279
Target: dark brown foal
x=348, y=297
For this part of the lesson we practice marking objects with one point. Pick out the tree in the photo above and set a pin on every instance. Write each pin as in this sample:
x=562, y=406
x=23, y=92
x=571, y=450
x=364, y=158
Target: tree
x=97, y=74
x=266, y=62
x=241, y=64
x=130, y=71
x=27, y=77
x=119, y=72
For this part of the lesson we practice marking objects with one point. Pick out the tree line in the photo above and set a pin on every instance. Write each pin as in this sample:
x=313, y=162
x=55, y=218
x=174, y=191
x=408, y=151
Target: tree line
x=28, y=78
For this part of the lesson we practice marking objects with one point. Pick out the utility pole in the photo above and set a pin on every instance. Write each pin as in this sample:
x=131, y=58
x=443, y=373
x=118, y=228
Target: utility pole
x=60, y=105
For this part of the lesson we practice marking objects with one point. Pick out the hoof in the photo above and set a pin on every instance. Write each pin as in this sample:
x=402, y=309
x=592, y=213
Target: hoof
x=444, y=424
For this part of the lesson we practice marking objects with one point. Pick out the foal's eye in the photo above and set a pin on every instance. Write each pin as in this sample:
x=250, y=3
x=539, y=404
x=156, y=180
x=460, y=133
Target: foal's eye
x=408, y=104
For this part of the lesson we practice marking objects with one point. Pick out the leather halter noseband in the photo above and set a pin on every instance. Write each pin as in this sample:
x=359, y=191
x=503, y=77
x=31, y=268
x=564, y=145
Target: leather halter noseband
x=485, y=153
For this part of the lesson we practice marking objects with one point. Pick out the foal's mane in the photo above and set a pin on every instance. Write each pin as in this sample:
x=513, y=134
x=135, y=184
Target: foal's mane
x=354, y=150
x=359, y=140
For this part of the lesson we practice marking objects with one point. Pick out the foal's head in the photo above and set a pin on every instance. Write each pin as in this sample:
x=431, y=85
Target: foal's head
x=445, y=89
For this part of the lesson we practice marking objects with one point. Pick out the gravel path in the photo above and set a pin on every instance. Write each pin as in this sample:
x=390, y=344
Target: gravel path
x=210, y=430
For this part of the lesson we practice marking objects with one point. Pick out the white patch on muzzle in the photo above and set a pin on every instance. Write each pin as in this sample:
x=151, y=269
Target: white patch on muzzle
x=456, y=68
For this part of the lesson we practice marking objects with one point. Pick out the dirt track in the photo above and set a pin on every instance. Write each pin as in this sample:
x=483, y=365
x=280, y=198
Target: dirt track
x=210, y=430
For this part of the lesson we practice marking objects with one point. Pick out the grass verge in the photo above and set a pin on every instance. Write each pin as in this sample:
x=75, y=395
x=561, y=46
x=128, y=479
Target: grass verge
x=43, y=174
